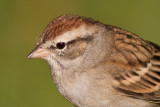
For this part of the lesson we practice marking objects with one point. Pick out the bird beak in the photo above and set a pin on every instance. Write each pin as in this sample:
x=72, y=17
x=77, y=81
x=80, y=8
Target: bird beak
x=38, y=52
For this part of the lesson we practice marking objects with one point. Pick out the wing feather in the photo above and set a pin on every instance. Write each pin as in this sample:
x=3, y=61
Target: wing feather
x=140, y=63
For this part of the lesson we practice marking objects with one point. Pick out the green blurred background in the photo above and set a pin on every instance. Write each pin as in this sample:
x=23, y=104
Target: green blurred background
x=27, y=83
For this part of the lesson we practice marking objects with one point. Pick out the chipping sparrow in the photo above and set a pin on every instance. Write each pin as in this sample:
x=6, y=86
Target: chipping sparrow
x=97, y=65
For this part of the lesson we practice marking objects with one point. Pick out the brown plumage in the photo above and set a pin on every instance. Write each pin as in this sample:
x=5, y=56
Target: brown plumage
x=140, y=61
x=95, y=64
x=62, y=24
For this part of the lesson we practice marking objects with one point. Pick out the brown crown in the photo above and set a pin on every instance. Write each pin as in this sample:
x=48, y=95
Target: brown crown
x=62, y=24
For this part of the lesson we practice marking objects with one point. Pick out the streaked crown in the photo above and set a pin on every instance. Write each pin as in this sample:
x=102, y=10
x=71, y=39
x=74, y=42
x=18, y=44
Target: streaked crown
x=62, y=24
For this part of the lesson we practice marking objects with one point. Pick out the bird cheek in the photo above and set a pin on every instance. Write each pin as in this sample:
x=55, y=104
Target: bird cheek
x=38, y=52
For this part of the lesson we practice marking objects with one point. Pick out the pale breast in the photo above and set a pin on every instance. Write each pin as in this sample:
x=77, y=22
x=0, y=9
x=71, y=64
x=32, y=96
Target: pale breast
x=93, y=91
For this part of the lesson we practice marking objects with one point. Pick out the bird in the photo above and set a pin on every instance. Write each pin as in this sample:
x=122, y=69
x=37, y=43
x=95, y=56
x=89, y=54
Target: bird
x=93, y=64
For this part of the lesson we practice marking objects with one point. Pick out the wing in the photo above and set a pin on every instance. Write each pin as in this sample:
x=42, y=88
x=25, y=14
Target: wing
x=138, y=63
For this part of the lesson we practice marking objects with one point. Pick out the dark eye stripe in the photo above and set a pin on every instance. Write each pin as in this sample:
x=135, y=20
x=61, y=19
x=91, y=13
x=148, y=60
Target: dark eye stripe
x=87, y=39
x=61, y=45
x=72, y=41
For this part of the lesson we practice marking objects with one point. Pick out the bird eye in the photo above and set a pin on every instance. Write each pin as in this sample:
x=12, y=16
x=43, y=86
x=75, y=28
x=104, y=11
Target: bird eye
x=60, y=45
